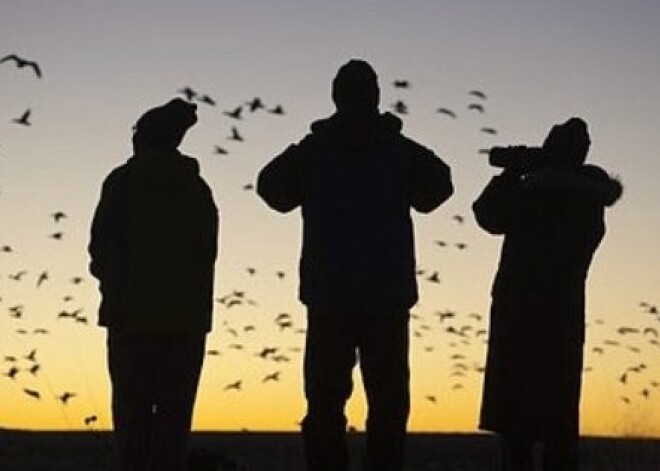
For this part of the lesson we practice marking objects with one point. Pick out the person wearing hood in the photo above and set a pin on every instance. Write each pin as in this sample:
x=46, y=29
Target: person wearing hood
x=153, y=248
x=549, y=206
x=356, y=177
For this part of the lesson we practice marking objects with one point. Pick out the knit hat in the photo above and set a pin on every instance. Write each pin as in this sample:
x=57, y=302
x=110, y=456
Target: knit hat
x=165, y=126
x=568, y=142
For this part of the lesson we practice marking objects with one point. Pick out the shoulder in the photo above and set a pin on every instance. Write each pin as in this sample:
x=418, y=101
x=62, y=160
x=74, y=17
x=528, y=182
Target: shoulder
x=606, y=187
x=117, y=176
x=414, y=147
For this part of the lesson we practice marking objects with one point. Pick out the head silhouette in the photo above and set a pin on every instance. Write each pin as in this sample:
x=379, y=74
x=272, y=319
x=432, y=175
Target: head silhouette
x=568, y=143
x=163, y=127
x=355, y=88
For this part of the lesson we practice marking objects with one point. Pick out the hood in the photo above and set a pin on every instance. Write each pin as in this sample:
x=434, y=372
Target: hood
x=358, y=131
x=597, y=183
x=164, y=170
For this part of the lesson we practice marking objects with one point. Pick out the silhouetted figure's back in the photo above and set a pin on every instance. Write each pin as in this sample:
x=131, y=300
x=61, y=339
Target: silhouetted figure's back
x=356, y=177
x=153, y=248
x=552, y=217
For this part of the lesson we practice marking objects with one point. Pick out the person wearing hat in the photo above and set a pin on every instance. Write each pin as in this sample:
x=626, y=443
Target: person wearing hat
x=356, y=178
x=153, y=248
x=550, y=207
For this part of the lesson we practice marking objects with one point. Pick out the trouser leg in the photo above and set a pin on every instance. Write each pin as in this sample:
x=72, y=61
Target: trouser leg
x=328, y=363
x=130, y=360
x=383, y=351
x=177, y=388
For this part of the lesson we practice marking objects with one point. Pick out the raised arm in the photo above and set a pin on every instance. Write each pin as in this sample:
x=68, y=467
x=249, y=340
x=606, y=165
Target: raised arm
x=281, y=182
x=498, y=206
x=431, y=183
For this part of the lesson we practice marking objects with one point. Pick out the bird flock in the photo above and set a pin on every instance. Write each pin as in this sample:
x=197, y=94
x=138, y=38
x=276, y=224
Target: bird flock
x=249, y=331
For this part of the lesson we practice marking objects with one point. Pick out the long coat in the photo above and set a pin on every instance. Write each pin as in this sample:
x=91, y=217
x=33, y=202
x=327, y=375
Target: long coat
x=551, y=230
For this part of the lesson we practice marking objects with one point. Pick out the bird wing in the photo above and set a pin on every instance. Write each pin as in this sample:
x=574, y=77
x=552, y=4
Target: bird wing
x=10, y=57
x=35, y=67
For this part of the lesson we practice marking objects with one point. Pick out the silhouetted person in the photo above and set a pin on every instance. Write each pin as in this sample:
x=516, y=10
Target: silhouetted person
x=153, y=248
x=549, y=205
x=355, y=177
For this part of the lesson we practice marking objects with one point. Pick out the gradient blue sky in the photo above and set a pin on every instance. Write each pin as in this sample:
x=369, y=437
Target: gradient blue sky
x=105, y=63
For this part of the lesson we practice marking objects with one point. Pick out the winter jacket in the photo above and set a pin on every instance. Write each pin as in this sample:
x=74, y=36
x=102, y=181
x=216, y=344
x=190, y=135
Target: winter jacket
x=153, y=246
x=355, y=181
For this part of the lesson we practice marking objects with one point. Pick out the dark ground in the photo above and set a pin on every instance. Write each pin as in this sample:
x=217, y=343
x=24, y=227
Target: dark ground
x=71, y=451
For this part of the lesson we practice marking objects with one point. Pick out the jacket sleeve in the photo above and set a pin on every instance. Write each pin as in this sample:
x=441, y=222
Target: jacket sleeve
x=431, y=183
x=281, y=182
x=499, y=205
x=105, y=246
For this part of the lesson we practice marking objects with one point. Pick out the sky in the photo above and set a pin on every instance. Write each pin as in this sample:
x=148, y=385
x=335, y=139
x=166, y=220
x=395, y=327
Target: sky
x=105, y=63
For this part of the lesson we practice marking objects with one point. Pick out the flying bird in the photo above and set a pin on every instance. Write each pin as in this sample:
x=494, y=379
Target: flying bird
x=476, y=107
x=236, y=385
x=32, y=356
x=434, y=277
x=65, y=397
x=21, y=62
x=442, y=315
x=446, y=111
x=16, y=311
x=24, y=119
x=400, y=107
x=220, y=150
x=278, y=110
x=478, y=94
x=255, y=104
x=271, y=377
x=401, y=84
x=11, y=374
x=43, y=276
x=32, y=393
x=206, y=99
x=487, y=130
x=651, y=331
x=188, y=92
x=58, y=216
x=458, y=218
x=89, y=420
x=266, y=352
x=235, y=135
x=235, y=113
